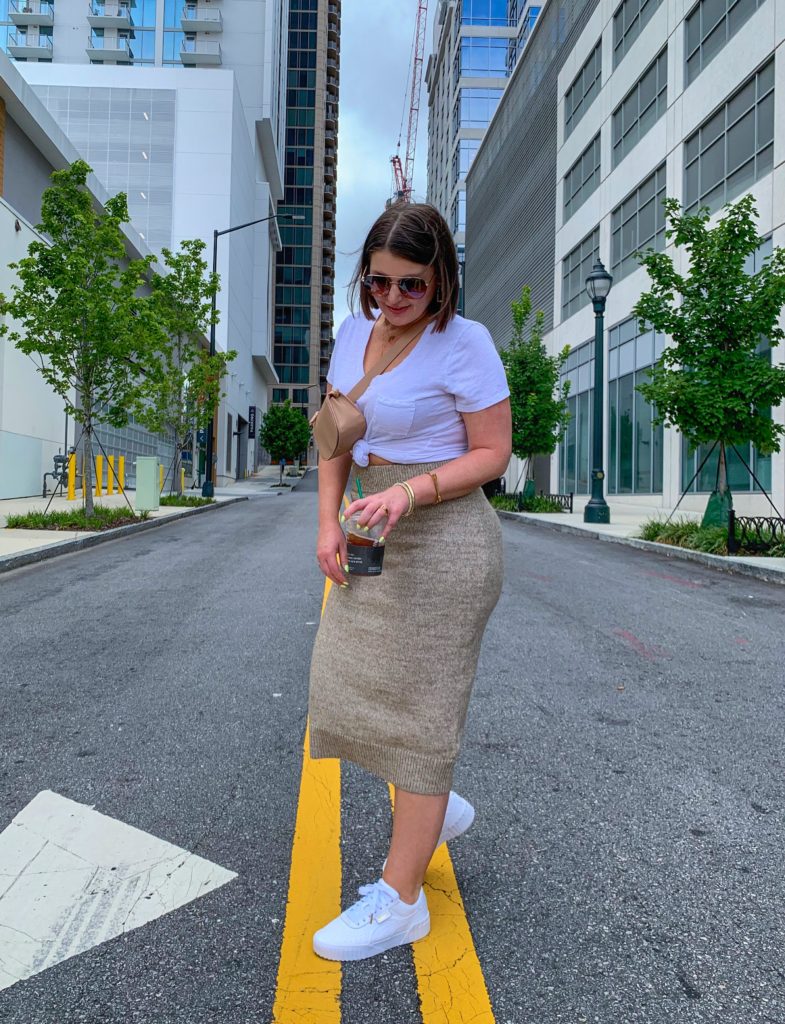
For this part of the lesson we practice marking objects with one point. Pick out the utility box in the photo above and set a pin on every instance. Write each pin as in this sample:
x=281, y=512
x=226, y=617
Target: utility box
x=148, y=494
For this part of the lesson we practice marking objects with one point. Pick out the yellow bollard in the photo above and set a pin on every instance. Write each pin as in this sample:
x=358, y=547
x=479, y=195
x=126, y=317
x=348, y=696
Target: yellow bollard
x=161, y=478
x=121, y=474
x=99, y=475
x=72, y=477
x=110, y=475
x=182, y=479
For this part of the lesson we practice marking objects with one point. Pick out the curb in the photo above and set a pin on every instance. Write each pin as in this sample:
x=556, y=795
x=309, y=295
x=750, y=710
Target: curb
x=9, y=562
x=721, y=562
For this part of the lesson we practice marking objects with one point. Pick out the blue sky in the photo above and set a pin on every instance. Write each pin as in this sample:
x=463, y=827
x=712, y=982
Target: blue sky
x=376, y=45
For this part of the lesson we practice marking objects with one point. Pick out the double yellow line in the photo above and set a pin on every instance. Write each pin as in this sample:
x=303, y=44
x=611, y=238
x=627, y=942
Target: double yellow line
x=450, y=980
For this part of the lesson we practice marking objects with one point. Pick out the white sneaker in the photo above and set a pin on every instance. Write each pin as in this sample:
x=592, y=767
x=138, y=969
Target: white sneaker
x=457, y=818
x=377, y=922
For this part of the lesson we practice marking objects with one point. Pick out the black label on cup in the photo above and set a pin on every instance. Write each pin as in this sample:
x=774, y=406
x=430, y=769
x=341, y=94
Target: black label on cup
x=364, y=560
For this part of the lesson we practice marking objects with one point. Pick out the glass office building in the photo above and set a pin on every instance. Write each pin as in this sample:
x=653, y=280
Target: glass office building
x=304, y=278
x=475, y=47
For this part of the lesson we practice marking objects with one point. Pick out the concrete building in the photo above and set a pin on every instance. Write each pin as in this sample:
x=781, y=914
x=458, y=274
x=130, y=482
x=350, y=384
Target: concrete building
x=476, y=44
x=195, y=152
x=33, y=427
x=613, y=106
x=305, y=267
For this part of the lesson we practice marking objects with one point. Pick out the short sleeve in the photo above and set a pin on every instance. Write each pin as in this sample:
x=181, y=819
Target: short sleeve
x=475, y=374
x=336, y=353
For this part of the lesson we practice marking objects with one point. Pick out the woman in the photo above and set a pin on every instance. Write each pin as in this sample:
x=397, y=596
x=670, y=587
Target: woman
x=395, y=656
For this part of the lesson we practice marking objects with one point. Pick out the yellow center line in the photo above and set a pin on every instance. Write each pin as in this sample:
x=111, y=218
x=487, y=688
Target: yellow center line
x=308, y=987
x=450, y=979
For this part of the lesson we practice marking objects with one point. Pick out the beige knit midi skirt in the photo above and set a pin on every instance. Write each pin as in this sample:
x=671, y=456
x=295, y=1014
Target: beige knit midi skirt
x=395, y=656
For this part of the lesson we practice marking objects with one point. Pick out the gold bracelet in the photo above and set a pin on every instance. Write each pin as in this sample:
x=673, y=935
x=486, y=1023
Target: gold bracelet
x=436, y=485
x=409, y=494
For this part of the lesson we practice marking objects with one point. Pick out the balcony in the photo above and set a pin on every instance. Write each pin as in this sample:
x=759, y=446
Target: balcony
x=202, y=53
x=20, y=46
x=109, y=14
x=32, y=12
x=331, y=115
x=201, y=19
x=332, y=84
x=100, y=48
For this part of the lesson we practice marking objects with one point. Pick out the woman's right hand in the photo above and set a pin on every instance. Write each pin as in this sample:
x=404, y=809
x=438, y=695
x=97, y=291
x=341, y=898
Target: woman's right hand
x=331, y=552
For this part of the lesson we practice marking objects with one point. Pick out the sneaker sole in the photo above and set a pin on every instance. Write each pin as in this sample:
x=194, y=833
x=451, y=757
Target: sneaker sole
x=417, y=931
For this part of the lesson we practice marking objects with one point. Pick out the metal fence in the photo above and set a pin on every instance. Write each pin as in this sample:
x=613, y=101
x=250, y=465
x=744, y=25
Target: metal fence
x=754, y=534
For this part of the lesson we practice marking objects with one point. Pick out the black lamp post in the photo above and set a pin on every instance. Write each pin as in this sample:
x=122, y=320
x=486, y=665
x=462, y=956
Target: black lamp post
x=598, y=285
x=208, y=488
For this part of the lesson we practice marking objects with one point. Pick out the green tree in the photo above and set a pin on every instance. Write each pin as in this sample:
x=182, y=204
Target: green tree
x=538, y=400
x=78, y=310
x=184, y=394
x=284, y=432
x=711, y=382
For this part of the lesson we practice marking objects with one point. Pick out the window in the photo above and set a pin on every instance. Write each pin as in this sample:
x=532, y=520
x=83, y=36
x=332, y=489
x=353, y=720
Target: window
x=575, y=449
x=708, y=27
x=584, y=88
x=576, y=267
x=483, y=58
x=484, y=12
x=582, y=178
x=229, y=438
x=638, y=223
x=459, y=212
x=629, y=21
x=641, y=108
x=462, y=160
x=280, y=395
x=738, y=477
x=474, y=108
x=734, y=147
x=635, y=447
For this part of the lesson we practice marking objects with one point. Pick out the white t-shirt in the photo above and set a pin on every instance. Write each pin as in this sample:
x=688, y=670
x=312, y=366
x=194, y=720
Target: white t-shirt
x=413, y=411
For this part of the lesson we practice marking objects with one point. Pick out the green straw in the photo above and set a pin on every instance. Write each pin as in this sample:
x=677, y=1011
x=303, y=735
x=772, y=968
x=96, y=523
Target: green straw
x=359, y=486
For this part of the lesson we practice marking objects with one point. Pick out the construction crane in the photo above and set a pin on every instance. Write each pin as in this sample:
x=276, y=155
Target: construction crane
x=403, y=170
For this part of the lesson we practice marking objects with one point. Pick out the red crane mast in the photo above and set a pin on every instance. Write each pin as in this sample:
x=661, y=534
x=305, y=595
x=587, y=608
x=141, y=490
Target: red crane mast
x=403, y=171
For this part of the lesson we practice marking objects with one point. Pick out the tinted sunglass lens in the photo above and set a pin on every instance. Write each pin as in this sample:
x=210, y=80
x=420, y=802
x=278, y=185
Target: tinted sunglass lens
x=414, y=287
x=378, y=284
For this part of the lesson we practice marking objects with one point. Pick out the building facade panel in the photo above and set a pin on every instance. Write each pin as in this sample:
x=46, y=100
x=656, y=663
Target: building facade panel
x=719, y=135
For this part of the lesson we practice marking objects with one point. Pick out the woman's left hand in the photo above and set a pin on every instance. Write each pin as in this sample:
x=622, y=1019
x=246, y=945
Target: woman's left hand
x=391, y=503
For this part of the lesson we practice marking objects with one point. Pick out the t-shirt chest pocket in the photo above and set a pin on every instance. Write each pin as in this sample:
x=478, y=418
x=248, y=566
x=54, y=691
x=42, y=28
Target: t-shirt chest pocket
x=391, y=418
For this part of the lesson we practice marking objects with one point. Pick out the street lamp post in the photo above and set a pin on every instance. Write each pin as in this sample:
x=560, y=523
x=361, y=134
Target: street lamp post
x=208, y=489
x=598, y=285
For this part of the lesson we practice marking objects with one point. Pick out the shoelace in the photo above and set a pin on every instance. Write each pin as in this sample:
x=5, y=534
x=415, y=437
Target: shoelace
x=373, y=904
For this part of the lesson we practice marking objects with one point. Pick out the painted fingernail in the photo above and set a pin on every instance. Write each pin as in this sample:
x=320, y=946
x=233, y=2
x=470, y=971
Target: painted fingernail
x=344, y=586
x=381, y=540
x=343, y=518
x=346, y=568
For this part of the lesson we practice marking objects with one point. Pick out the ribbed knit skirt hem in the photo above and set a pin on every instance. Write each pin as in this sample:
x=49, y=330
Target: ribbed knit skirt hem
x=414, y=772
x=395, y=655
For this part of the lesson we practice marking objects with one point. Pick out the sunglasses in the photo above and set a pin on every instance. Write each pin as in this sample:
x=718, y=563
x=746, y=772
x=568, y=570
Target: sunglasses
x=411, y=287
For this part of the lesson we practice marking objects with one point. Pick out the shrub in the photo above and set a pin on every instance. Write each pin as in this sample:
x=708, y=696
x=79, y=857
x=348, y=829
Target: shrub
x=187, y=500
x=103, y=518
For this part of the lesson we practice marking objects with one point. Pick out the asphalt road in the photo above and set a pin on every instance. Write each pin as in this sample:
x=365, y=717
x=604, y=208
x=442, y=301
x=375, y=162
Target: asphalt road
x=625, y=752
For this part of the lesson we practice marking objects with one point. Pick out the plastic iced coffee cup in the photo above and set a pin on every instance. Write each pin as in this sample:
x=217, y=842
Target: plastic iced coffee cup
x=364, y=552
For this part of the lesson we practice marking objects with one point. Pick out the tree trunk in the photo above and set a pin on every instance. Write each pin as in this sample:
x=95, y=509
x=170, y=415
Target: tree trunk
x=88, y=468
x=178, y=476
x=722, y=473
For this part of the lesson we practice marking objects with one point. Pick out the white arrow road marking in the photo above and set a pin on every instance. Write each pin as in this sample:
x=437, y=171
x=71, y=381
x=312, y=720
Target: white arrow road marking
x=72, y=878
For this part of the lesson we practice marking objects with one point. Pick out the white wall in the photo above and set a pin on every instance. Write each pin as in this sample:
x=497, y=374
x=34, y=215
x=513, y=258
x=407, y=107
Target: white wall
x=32, y=419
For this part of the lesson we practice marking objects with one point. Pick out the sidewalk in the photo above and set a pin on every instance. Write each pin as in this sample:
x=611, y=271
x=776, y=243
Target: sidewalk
x=21, y=547
x=625, y=527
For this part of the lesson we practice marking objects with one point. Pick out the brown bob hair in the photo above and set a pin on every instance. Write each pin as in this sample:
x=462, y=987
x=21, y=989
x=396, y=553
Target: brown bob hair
x=416, y=232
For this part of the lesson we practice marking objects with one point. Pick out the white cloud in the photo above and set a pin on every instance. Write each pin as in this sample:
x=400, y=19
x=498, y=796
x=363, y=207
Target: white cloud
x=376, y=47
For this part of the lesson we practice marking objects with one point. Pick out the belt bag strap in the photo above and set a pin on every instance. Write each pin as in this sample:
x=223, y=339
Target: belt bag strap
x=405, y=339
